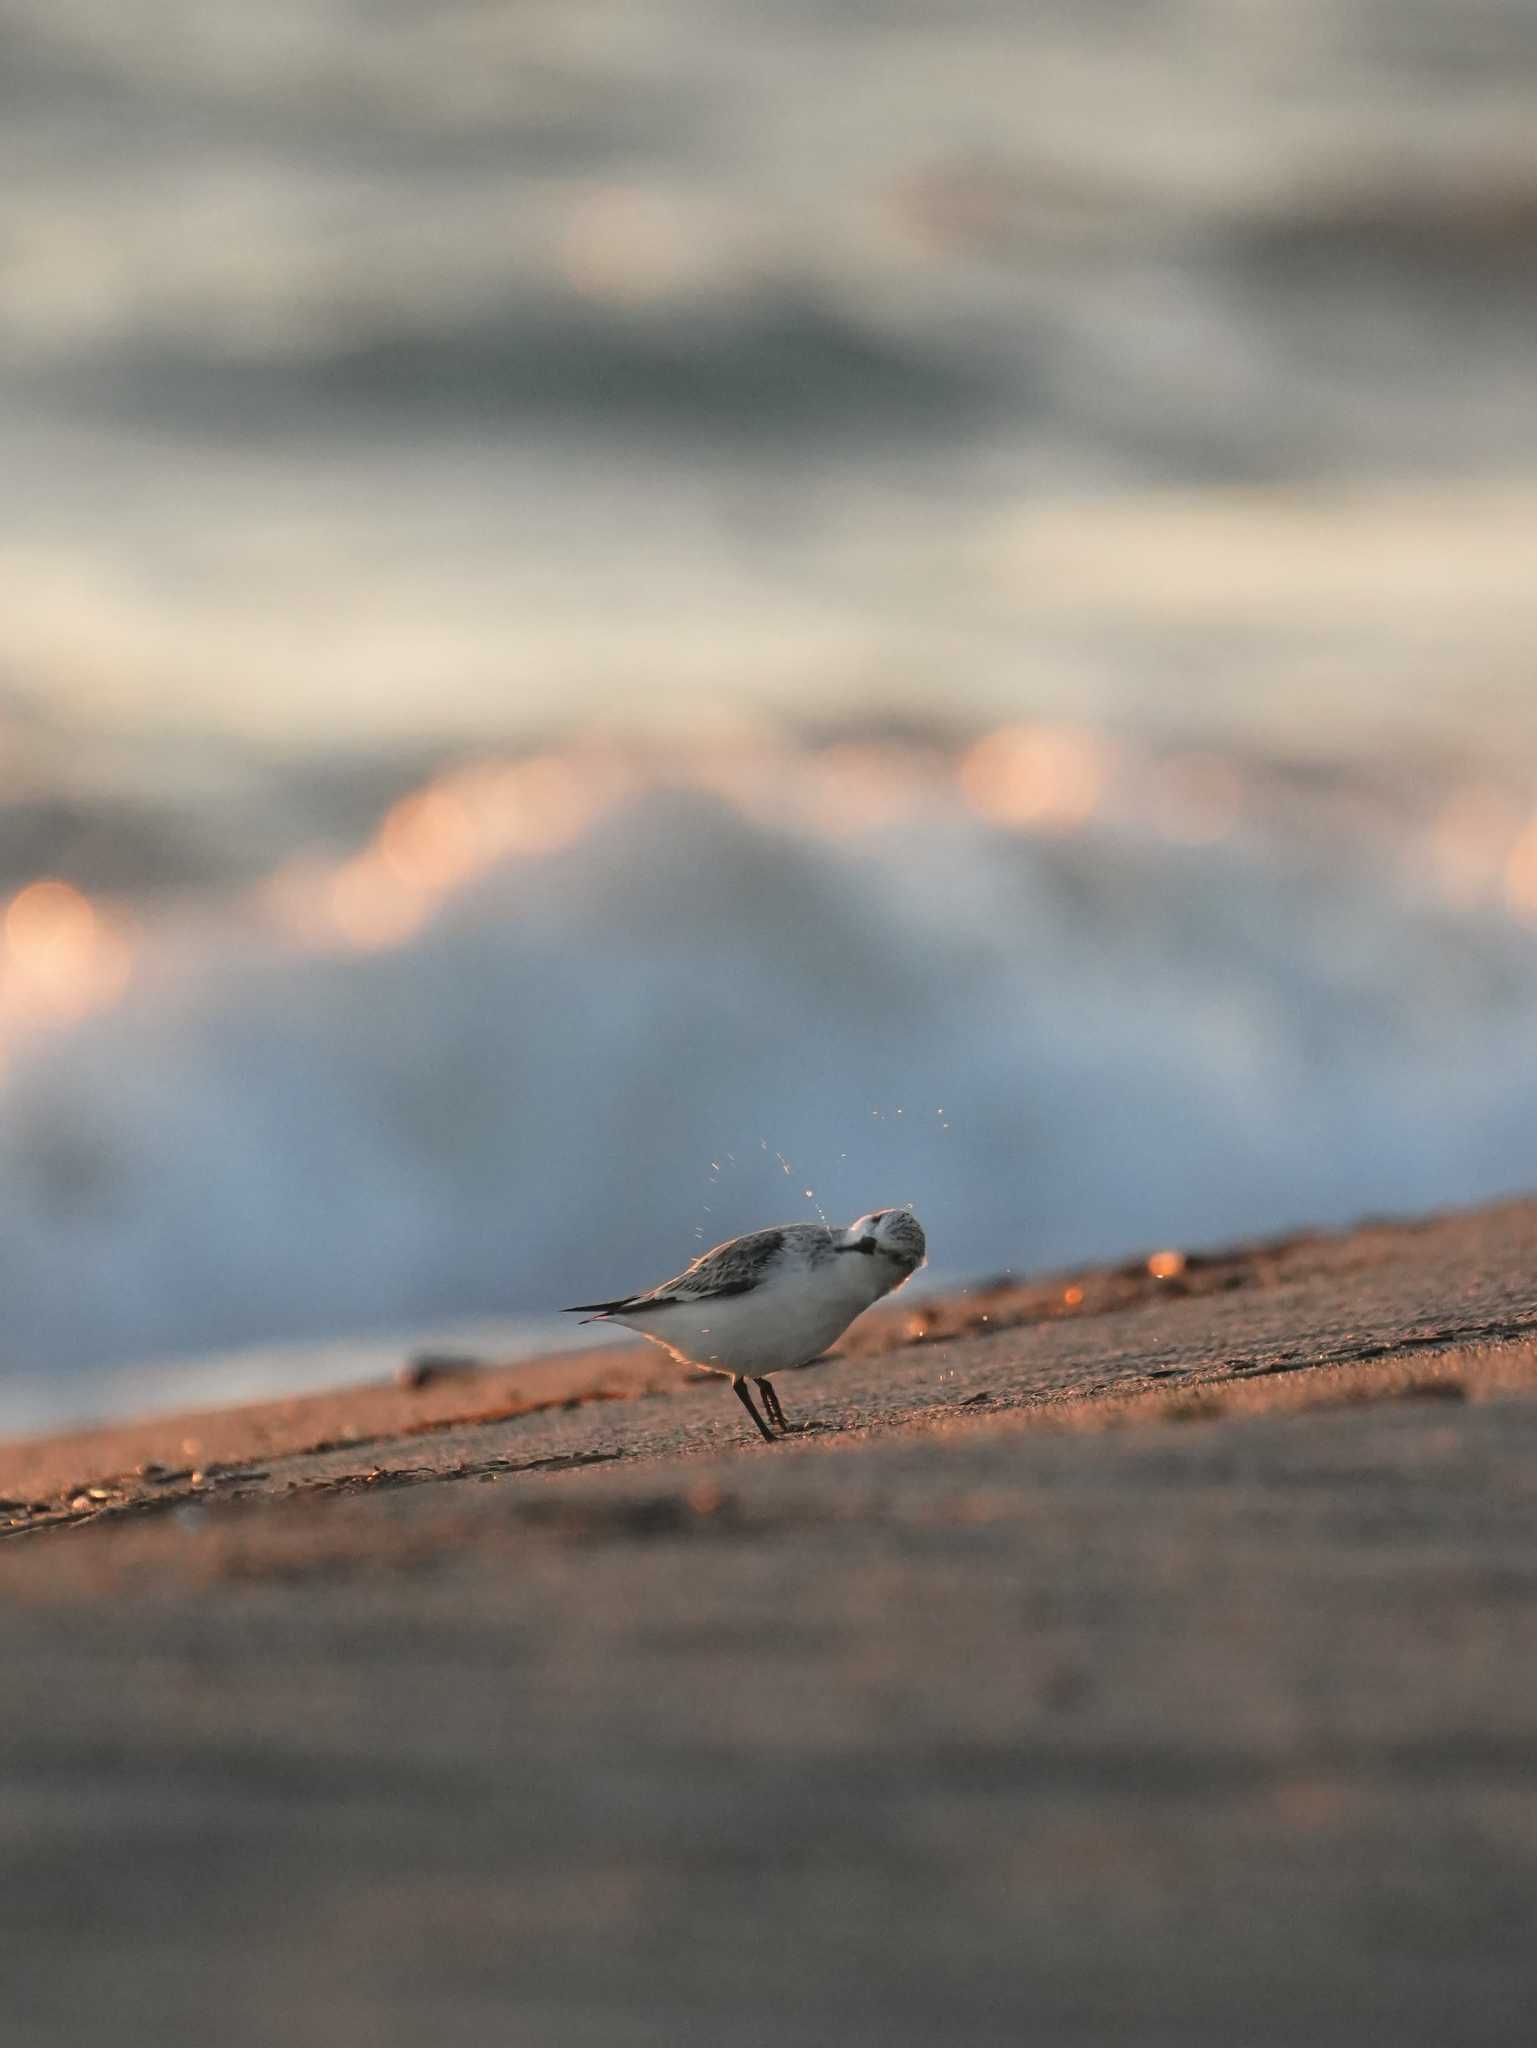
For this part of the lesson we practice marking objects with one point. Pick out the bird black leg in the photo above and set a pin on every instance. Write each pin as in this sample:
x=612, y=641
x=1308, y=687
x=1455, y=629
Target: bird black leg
x=776, y=1414
x=739, y=1388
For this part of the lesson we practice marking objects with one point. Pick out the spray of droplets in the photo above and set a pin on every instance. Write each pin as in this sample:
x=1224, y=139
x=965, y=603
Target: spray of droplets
x=787, y=1166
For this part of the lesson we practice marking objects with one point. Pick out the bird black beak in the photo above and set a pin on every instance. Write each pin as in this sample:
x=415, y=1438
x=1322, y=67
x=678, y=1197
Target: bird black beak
x=865, y=1244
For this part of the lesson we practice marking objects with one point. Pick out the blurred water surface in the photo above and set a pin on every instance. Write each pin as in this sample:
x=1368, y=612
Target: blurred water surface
x=373, y=368
x=610, y=613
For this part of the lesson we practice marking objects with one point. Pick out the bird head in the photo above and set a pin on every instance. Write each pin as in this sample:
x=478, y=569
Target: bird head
x=893, y=1235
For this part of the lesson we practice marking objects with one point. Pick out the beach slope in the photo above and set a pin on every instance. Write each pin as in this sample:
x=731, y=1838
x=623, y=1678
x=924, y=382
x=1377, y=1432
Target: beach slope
x=1143, y=1655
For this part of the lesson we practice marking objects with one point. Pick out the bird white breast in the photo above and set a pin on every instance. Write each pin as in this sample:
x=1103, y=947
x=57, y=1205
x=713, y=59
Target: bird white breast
x=787, y=1321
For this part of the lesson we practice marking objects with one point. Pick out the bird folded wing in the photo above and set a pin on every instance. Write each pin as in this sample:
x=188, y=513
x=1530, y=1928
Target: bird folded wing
x=733, y=1268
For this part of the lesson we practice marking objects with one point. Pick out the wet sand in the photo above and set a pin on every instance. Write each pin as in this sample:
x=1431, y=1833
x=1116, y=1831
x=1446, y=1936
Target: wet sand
x=1115, y=1658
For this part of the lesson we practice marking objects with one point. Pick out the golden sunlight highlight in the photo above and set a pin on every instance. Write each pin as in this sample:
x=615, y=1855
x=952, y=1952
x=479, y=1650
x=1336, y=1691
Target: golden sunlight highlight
x=1036, y=777
x=429, y=841
x=1472, y=841
x=1521, y=874
x=60, y=958
x=434, y=841
x=371, y=906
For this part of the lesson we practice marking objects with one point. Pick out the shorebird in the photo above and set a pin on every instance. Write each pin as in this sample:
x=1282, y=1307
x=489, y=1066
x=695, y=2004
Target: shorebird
x=771, y=1300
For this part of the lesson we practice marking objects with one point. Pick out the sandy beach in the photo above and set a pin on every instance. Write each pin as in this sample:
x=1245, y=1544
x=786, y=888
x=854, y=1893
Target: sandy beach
x=1115, y=1658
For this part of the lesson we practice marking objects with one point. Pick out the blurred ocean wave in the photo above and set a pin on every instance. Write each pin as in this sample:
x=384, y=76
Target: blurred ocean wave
x=786, y=362
x=574, y=1015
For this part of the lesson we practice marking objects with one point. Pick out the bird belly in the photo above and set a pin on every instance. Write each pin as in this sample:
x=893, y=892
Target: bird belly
x=753, y=1334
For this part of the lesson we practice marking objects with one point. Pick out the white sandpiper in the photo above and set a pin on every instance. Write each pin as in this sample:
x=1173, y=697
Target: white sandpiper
x=771, y=1300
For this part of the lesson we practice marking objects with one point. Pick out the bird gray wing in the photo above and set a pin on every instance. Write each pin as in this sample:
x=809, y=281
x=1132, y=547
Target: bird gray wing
x=735, y=1267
